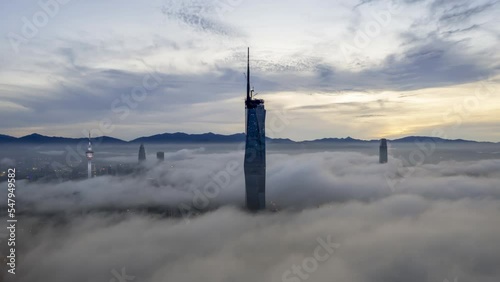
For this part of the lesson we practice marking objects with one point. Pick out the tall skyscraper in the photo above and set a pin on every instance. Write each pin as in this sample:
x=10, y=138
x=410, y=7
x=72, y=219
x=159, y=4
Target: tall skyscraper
x=90, y=155
x=160, y=156
x=255, y=149
x=142, y=153
x=383, y=151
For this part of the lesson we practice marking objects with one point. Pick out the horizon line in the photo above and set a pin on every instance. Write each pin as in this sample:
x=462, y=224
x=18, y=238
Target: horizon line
x=285, y=138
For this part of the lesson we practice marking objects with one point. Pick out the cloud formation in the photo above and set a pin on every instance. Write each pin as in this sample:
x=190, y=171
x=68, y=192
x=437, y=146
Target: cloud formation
x=294, y=182
x=438, y=223
x=75, y=67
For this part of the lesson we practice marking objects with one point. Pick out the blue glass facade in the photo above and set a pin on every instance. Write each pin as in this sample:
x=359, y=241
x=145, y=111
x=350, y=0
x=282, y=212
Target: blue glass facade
x=255, y=156
x=255, y=149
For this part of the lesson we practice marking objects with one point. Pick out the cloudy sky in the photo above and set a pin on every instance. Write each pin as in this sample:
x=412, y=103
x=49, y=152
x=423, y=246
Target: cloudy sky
x=366, y=69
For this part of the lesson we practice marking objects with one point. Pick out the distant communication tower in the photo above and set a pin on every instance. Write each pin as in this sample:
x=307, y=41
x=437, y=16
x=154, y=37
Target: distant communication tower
x=90, y=155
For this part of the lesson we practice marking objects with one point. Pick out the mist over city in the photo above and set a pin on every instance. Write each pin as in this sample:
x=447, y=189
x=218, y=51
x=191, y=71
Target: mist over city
x=222, y=141
x=184, y=218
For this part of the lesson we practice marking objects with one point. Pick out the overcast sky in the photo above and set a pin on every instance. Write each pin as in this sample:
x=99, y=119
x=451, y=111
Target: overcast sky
x=366, y=69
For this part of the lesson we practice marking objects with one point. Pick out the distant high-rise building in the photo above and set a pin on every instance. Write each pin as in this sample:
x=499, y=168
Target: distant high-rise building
x=110, y=170
x=255, y=149
x=90, y=155
x=160, y=156
x=383, y=151
x=142, y=153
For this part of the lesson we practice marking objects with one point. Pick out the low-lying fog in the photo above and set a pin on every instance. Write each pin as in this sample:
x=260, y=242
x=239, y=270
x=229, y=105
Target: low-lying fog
x=430, y=214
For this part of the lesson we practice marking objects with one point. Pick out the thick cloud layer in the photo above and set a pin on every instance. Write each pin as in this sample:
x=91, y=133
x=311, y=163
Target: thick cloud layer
x=435, y=222
x=203, y=180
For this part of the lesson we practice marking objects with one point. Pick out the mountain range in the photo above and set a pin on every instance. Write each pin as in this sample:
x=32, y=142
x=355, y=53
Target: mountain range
x=179, y=137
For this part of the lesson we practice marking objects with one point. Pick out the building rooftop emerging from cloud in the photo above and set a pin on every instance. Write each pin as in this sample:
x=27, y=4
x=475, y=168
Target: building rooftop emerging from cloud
x=255, y=149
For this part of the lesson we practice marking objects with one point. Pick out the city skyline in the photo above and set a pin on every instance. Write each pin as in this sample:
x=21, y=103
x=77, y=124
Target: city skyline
x=440, y=75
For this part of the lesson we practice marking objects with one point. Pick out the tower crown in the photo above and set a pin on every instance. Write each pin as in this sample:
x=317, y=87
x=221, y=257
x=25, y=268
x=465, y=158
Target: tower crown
x=250, y=102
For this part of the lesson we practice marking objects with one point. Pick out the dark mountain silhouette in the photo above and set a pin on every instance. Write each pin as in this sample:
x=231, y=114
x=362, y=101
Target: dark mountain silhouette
x=338, y=140
x=210, y=137
x=412, y=139
x=7, y=139
x=36, y=138
x=180, y=137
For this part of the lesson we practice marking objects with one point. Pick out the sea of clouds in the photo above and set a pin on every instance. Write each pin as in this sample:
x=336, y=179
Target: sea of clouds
x=341, y=216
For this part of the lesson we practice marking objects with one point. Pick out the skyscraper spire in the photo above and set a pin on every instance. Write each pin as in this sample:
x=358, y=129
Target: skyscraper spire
x=248, y=74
